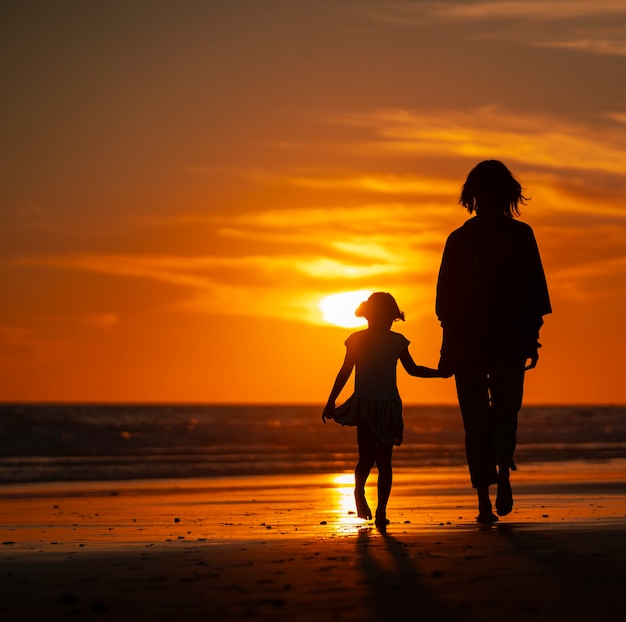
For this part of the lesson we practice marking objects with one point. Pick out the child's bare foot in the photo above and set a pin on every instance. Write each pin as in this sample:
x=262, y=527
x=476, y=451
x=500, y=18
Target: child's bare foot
x=362, y=509
x=485, y=509
x=486, y=517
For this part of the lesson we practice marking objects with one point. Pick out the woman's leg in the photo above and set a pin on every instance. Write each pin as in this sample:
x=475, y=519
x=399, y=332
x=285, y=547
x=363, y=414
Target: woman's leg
x=472, y=385
x=507, y=389
x=367, y=458
x=506, y=385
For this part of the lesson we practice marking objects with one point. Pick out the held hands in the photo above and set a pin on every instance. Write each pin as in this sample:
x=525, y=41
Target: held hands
x=329, y=411
x=430, y=372
x=444, y=373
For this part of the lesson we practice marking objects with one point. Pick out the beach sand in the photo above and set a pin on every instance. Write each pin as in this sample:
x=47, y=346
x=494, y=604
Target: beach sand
x=291, y=548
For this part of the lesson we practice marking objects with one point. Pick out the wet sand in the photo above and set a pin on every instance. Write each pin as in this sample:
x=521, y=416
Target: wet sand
x=291, y=548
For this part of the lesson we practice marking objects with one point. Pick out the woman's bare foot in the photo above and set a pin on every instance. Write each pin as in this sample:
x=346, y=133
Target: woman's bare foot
x=381, y=519
x=362, y=509
x=504, y=497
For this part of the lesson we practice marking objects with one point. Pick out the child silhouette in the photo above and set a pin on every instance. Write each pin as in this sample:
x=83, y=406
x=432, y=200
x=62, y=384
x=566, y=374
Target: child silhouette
x=375, y=407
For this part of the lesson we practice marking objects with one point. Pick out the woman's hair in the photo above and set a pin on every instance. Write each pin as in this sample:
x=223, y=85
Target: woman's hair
x=380, y=304
x=494, y=186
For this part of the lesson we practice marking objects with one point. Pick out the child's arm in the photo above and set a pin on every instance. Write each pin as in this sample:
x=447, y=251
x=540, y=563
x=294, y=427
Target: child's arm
x=419, y=370
x=340, y=383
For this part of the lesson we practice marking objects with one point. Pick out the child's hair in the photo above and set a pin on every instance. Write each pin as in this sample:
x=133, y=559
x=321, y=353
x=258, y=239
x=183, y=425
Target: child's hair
x=380, y=304
x=493, y=178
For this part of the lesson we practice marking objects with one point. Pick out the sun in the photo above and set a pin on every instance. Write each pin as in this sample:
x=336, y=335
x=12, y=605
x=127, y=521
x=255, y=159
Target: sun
x=339, y=309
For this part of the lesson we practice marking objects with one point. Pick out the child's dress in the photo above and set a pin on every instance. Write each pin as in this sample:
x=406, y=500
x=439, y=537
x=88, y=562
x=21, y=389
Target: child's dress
x=376, y=401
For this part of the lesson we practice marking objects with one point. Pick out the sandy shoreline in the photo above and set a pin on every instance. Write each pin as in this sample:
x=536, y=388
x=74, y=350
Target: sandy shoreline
x=290, y=547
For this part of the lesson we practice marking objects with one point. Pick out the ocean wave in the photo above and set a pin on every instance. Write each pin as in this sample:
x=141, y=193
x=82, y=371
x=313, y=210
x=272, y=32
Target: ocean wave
x=73, y=442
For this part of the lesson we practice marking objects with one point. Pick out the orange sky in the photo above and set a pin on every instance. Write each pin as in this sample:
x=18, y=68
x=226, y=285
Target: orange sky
x=182, y=182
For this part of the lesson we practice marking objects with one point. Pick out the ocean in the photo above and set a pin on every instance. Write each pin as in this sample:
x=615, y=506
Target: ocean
x=100, y=442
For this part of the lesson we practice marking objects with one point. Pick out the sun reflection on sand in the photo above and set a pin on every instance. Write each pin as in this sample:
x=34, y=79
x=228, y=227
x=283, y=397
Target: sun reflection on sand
x=342, y=502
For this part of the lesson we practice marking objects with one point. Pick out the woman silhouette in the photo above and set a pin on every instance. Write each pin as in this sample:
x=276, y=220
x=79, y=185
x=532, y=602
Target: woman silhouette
x=491, y=299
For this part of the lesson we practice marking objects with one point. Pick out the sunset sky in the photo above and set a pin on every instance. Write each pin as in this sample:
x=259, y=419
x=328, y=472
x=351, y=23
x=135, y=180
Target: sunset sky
x=183, y=182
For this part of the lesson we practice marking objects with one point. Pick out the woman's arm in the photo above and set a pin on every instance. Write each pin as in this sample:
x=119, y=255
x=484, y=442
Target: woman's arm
x=340, y=382
x=419, y=370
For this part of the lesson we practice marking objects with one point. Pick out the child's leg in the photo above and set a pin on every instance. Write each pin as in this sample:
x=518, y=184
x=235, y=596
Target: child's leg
x=367, y=458
x=385, y=479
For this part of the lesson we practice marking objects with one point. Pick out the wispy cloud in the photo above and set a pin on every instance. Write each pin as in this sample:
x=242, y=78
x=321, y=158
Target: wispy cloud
x=102, y=321
x=573, y=172
x=579, y=25
x=540, y=141
x=313, y=253
x=27, y=346
x=608, y=47
x=381, y=183
x=619, y=117
x=409, y=13
x=594, y=280
x=529, y=9
x=374, y=225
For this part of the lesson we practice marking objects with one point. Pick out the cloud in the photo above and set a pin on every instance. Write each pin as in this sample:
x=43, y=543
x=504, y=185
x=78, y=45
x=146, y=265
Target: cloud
x=574, y=173
x=319, y=225
x=27, y=346
x=595, y=280
x=29, y=209
x=313, y=253
x=103, y=321
x=381, y=184
x=528, y=9
x=373, y=225
x=25, y=214
x=168, y=269
x=409, y=13
x=570, y=200
x=585, y=26
x=538, y=141
x=618, y=117
x=594, y=46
